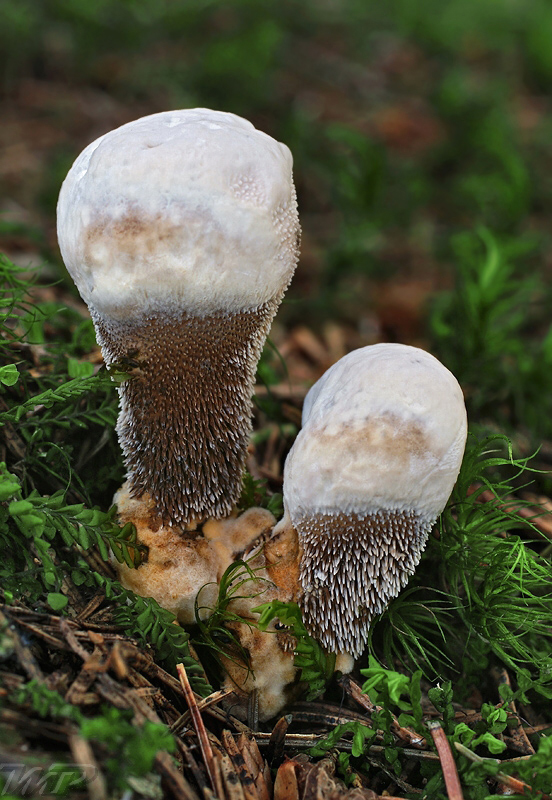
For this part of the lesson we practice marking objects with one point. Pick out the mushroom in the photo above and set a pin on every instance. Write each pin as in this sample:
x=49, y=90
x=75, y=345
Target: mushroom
x=180, y=230
x=384, y=431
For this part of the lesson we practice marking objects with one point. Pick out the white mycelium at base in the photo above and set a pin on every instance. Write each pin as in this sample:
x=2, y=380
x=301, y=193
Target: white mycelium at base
x=381, y=446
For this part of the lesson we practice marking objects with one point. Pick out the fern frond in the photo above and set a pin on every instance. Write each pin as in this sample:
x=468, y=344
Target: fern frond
x=42, y=518
x=64, y=393
x=144, y=619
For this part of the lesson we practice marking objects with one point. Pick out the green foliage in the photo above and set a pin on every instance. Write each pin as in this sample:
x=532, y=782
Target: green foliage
x=9, y=374
x=485, y=735
x=130, y=750
x=57, y=531
x=358, y=166
x=46, y=411
x=56, y=601
x=317, y=666
x=127, y=751
x=15, y=303
x=391, y=690
x=69, y=414
x=418, y=627
x=144, y=619
x=494, y=722
x=536, y=770
x=502, y=584
x=63, y=394
x=398, y=693
x=212, y=621
x=54, y=531
x=479, y=582
x=482, y=332
x=272, y=368
x=385, y=687
x=363, y=735
x=51, y=525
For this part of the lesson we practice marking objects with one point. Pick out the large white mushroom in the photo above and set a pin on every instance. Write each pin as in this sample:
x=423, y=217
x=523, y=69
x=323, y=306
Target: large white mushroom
x=380, y=449
x=181, y=232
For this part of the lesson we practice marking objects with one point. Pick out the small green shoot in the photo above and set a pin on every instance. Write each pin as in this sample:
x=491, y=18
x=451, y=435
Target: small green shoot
x=317, y=666
x=212, y=621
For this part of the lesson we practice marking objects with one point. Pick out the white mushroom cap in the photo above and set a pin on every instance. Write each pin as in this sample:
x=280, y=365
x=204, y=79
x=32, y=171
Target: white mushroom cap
x=381, y=446
x=385, y=427
x=191, y=208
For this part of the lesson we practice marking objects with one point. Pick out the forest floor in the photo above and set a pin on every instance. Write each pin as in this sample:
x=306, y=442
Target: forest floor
x=422, y=152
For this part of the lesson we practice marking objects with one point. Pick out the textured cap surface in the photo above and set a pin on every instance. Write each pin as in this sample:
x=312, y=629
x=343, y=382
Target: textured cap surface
x=384, y=428
x=193, y=209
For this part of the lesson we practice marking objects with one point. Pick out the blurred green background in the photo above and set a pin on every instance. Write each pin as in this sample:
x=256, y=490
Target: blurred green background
x=422, y=139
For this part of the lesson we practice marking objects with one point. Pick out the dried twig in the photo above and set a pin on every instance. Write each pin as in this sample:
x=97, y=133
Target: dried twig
x=448, y=765
x=518, y=786
x=199, y=726
x=39, y=728
x=82, y=752
x=24, y=654
x=78, y=692
x=184, y=719
x=355, y=691
x=175, y=781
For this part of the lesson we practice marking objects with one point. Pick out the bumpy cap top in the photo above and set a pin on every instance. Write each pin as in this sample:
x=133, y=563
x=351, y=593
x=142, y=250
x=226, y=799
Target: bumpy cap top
x=193, y=210
x=384, y=428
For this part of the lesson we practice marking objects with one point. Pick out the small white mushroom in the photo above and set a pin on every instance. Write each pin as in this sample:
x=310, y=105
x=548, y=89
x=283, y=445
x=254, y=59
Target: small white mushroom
x=381, y=446
x=180, y=230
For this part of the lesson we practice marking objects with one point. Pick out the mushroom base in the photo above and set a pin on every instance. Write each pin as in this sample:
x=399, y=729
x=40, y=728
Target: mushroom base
x=182, y=572
x=351, y=566
x=186, y=405
x=183, y=566
x=269, y=678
